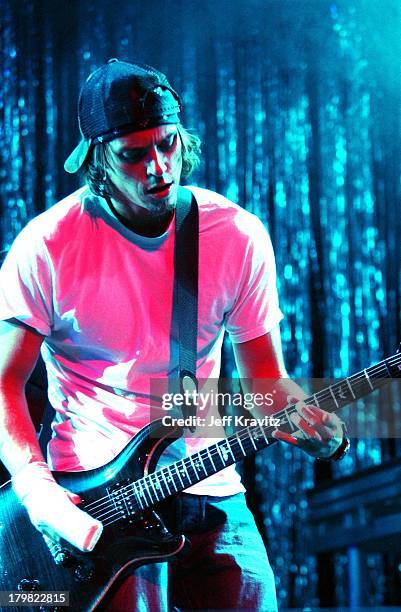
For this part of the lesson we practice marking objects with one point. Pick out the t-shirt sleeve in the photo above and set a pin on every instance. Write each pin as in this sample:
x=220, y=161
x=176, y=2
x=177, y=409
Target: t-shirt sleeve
x=256, y=310
x=26, y=283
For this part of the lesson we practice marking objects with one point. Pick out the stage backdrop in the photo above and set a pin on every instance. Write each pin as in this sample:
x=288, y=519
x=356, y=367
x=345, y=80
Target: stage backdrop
x=298, y=108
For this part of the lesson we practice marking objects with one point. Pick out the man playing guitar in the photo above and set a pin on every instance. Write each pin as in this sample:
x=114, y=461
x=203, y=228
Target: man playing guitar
x=89, y=283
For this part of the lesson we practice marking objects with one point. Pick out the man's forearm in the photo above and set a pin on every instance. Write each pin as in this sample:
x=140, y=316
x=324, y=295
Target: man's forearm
x=18, y=440
x=32, y=480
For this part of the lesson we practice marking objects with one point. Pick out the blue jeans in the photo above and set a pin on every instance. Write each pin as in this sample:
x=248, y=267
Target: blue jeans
x=226, y=567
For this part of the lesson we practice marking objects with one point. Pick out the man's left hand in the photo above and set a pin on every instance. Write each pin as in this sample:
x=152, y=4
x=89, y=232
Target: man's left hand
x=319, y=433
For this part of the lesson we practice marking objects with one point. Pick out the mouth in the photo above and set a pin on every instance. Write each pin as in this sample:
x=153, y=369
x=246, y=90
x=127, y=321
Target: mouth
x=161, y=190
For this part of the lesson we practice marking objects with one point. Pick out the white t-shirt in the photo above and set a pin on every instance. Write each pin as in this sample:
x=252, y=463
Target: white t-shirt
x=102, y=297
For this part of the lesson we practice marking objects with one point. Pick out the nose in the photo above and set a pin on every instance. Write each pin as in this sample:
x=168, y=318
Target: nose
x=156, y=163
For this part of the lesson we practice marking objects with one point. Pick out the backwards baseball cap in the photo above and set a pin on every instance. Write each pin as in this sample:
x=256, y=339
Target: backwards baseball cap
x=119, y=98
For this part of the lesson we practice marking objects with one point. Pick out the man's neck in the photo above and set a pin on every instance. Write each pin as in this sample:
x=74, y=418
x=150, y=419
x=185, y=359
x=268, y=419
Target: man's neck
x=149, y=225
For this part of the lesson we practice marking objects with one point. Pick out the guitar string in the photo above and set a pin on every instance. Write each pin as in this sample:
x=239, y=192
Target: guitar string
x=281, y=413
x=240, y=435
x=108, y=505
x=170, y=480
x=115, y=517
x=324, y=395
x=165, y=470
x=112, y=514
x=322, y=398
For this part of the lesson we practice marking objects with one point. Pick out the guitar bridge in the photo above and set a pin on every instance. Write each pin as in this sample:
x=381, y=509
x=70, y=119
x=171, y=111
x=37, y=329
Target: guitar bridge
x=122, y=496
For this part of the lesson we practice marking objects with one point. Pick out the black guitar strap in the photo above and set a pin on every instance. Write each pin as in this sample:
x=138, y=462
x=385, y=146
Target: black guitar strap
x=185, y=307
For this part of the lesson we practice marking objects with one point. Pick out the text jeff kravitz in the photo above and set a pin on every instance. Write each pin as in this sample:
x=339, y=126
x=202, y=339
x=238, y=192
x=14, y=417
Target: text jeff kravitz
x=224, y=421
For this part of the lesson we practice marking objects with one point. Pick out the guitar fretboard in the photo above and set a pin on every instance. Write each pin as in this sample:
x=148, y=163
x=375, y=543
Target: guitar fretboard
x=183, y=474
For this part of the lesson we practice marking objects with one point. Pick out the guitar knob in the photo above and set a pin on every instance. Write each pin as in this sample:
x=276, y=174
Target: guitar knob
x=28, y=584
x=62, y=557
x=84, y=572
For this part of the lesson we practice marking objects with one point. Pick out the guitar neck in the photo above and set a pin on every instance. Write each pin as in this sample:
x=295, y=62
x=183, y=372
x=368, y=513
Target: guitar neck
x=189, y=471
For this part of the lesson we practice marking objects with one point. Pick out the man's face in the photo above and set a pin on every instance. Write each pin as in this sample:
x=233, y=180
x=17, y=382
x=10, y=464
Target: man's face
x=145, y=171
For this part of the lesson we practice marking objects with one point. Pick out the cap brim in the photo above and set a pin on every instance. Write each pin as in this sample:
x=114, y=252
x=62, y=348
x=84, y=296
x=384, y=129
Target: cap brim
x=74, y=161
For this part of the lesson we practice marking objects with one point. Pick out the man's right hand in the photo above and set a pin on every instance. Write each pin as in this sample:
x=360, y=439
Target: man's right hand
x=52, y=509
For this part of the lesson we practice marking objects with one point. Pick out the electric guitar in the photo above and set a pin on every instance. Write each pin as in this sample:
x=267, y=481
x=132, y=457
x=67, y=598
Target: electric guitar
x=124, y=493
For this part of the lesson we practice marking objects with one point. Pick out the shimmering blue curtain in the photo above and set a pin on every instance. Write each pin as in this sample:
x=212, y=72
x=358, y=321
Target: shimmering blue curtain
x=298, y=106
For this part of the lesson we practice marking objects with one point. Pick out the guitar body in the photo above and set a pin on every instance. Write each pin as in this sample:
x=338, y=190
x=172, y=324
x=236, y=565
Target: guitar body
x=27, y=564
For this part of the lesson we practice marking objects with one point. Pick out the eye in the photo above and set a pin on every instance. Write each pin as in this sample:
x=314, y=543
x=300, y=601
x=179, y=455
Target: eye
x=168, y=143
x=132, y=156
